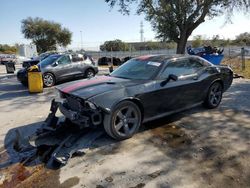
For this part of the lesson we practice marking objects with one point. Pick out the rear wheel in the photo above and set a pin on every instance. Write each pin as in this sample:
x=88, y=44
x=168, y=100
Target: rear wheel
x=24, y=83
x=89, y=73
x=124, y=121
x=214, y=95
x=49, y=80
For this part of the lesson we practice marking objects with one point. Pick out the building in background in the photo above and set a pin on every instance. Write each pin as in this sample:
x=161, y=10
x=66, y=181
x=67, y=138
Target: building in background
x=27, y=50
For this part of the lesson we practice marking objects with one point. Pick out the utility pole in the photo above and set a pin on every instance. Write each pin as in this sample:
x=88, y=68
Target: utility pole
x=243, y=59
x=111, y=68
x=81, y=39
x=142, y=31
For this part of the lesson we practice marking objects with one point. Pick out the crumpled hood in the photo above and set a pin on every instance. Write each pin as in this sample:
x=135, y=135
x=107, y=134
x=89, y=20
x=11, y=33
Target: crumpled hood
x=88, y=88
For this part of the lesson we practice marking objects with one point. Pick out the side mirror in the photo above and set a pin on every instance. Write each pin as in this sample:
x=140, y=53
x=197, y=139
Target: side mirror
x=173, y=77
x=55, y=64
x=170, y=77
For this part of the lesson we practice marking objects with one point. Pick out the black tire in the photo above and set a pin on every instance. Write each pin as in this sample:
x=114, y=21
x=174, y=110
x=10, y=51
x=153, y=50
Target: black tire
x=89, y=73
x=49, y=79
x=24, y=83
x=124, y=120
x=214, y=95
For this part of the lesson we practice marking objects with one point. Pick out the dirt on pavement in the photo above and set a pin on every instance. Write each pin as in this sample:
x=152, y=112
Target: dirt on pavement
x=194, y=148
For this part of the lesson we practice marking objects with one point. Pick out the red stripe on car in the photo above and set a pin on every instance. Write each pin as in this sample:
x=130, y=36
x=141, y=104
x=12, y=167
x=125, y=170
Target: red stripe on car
x=85, y=83
x=144, y=57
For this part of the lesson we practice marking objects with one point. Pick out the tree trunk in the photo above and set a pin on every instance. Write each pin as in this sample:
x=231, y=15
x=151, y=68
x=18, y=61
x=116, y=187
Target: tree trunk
x=181, y=45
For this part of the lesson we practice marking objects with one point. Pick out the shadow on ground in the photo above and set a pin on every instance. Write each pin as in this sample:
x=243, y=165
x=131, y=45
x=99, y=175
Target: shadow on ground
x=211, y=145
x=22, y=161
x=199, y=148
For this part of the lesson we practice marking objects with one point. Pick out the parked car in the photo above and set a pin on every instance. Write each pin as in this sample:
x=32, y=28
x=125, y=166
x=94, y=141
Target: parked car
x=107, y=60
x=125, y=59
x=7, y=58
x=36, y=60
x=143, y=89
x=59, y=67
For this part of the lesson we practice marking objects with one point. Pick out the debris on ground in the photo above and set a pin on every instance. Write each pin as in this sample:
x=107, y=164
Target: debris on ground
x=109, y=179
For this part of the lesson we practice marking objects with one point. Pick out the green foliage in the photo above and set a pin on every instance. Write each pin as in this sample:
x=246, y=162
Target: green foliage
x=217, y=41
x=243, y=39
x=197, y=41
x=118, y=45
x=226, y=42
x=6, y=49
x=114, y=45
x=45, y=34
x=214, y=41
x=175, y=20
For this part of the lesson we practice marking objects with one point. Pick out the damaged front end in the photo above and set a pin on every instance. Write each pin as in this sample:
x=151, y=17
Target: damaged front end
x=72, y=133
x=79, y=111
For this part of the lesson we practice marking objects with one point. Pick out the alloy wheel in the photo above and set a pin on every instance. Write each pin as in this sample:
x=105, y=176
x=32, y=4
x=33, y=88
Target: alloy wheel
x=90, y=74
x=48, y=80
x=126, y=120
x=215, y=94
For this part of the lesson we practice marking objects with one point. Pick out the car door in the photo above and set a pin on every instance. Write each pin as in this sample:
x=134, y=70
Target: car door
x=175, y=95
x=77, y=63
x=64, y=68
x=162, y=99
x=192, y=83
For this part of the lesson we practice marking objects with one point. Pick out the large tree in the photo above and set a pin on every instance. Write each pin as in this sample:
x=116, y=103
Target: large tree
x=114, y=45
x=175, y=20
x=45, y=34
x=7, y=49
x=243, y=39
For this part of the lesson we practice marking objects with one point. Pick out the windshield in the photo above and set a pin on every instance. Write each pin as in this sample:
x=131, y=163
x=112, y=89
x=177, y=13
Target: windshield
x=49, y=60
x=137, y=69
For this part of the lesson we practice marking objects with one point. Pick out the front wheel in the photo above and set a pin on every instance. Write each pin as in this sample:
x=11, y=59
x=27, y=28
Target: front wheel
x=214, y=95
x=124, y=121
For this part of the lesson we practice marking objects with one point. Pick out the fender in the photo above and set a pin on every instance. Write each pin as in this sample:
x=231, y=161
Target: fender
x=108, y=105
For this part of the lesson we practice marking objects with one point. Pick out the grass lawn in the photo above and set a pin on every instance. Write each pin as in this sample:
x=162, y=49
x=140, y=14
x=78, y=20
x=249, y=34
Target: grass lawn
x=235, y=64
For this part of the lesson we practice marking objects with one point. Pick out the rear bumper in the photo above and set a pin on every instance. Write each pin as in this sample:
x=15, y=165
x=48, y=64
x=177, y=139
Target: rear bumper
x=22, y=75
x=96, y=70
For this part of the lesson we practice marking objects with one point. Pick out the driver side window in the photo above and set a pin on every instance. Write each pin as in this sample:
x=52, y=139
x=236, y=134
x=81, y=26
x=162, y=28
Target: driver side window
x=175, y=67
x=64, y=60
x=182, y=67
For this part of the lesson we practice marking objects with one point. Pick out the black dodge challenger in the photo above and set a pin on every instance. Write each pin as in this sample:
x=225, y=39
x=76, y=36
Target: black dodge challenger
x=143, y=89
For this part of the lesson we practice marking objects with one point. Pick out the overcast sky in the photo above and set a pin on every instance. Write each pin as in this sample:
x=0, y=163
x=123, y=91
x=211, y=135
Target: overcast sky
x=96, y=21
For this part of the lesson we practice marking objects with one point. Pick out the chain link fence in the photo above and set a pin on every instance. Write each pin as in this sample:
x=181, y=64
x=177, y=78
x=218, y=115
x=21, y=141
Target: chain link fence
x=123, y=54
x=237, y=57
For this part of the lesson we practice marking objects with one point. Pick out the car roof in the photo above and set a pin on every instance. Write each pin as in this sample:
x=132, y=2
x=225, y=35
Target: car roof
x=55, y=55
x=160, y=57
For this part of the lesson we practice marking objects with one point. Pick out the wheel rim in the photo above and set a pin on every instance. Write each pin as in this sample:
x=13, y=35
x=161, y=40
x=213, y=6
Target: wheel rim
x=126, y=121
x=90, y=74
x=215, y=94
x=48, y=80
